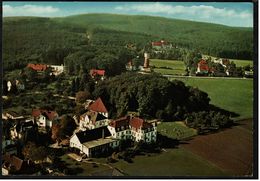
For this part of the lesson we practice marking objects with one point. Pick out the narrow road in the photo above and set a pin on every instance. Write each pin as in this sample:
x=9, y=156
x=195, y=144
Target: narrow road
x=200, y=77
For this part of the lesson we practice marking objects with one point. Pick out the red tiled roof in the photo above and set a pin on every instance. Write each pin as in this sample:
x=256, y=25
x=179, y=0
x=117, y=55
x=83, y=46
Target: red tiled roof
x=203, y=65
x=37, y=67
x=94, y=72
x=159, y=43
x=139, y=123
x=118, y=123
x=98, y=106
x=49, y=114
x=136, y=122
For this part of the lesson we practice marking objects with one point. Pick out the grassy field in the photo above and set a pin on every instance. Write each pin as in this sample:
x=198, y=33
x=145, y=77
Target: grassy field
x=173, y=162
x=242, y=63
x=174, y=66
x=229, y=94
x=176, y=130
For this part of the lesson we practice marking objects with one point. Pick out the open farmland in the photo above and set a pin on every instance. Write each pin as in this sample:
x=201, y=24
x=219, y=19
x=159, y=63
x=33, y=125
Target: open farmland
x=231, y=149
x=174, y=67
x=229, y=94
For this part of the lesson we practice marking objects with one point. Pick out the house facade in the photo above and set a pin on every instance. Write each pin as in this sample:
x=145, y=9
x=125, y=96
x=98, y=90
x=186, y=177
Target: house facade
x=133, y=128
x=97, y=73
x=92, y=120
x=202, y=67
x=44, y=118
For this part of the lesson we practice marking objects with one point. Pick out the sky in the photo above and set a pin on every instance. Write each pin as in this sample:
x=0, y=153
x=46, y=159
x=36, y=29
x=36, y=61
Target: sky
x=232, y=13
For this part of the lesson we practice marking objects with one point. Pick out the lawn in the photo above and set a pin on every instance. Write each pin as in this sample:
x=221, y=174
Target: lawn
x=173, y=66
x=242, y=63
x=229, y=94
x=173, y=162
x=176, y=130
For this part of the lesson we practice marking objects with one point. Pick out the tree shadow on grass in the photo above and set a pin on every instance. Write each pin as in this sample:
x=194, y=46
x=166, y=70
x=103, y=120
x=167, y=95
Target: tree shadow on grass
x=167, y=142
x=223, y=111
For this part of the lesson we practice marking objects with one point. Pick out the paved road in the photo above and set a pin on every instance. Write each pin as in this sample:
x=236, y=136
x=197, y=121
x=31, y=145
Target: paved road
x=199, y=77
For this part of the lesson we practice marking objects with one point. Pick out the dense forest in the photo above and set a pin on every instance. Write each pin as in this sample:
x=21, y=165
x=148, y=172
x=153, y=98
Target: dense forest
x=53, y=40
x=140, y=93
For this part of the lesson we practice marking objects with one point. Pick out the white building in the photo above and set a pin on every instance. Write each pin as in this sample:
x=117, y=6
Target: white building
x=57, y=69
x=92, y=120
x=93, y=142
x=134, y=128
x=44, y=118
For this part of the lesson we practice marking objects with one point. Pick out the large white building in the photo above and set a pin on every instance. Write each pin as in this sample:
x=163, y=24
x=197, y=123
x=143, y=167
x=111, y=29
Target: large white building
x=93, y=142
x=101, y=139
x=133, y=128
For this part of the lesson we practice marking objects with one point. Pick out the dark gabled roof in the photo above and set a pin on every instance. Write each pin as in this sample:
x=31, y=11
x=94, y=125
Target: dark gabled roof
x=100, y=117
x=94, y=134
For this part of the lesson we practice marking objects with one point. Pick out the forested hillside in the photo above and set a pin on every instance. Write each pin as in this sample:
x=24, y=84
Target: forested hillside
x=51, y=40
x=211, y=39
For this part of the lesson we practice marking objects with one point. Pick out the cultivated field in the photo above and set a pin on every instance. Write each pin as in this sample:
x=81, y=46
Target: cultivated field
x=229, y=94
x=231, y=149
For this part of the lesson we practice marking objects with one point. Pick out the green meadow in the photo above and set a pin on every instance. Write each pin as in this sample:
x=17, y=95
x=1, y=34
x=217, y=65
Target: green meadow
x=174, y=67
x=172, y=162
x=235, y=95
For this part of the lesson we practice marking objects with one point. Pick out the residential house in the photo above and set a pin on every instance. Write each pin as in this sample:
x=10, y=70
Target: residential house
x=203, y=68
x=44, y=118
x=57, y=69
x=93, y=142
x=97, y=74
x=159, y=45
x=92, y=120
x=20, y=129
x=12, y=164
x=37, y=67
x=99, y=107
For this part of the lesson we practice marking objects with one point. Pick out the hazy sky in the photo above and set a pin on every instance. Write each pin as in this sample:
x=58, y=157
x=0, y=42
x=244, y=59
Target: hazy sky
x=231, y=14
